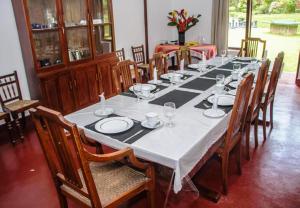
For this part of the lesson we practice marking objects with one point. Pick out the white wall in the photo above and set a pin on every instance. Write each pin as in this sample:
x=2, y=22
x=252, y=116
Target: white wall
x=203, y=28
x=129, y=24
x=10, y=50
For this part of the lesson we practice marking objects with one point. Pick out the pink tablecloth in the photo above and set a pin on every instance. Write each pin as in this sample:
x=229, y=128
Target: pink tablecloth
x=210, y=50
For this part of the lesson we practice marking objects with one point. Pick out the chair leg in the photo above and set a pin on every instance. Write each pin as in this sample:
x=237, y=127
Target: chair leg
x=238, y=158
x=271, y=114
x=265, y=123
x=224, y=162
x=248, y=126
x=9, y=129
x=256, y=132
x=18, y=125
x=151, y=198
x=62, y=201
x=23, y=120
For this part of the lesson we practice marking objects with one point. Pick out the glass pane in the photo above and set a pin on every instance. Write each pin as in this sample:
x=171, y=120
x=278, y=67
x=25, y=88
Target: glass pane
x=75, y=13
x=47, y=48
x=103, y=39
x=78, y=44
x=237, y=22
x=42, y=14
x=100, y=12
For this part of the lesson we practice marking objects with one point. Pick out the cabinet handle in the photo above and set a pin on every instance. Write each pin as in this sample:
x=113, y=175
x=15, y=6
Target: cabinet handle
x=75, y=83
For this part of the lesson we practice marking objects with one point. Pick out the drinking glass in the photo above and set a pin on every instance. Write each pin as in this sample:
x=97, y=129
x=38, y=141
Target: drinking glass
x=220, y=79
x=169, y=112
x=236, y=67
x=223, y=55
x=137, y=89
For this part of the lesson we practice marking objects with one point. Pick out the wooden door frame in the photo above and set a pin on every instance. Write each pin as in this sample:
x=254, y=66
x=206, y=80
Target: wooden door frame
x=146, y=29
x=298, y=73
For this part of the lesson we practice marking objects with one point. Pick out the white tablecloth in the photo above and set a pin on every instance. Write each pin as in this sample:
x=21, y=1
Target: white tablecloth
x=180, y=147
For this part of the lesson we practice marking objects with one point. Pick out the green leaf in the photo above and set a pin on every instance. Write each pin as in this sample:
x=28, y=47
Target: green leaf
x=172, y=24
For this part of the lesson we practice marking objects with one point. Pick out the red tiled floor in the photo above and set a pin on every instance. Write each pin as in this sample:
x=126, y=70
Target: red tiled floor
x=270, y=179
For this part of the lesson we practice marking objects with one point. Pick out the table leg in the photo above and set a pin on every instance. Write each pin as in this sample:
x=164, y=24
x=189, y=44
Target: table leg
x=208, y=193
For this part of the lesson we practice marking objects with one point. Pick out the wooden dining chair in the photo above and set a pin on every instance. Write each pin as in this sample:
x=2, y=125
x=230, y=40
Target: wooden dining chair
x=184, y=53
x=269, y=95
x=12, y=102
x=250, y=47
x=120, y=54
x=233, y=136
x=254, y=107
x=6, y=117
x=91, y=180
x=125, y=74
x=139, y=57
x=160, y=62
x=298, y=72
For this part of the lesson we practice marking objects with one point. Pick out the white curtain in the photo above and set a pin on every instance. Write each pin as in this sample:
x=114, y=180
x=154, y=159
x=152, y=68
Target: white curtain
x=220, y=22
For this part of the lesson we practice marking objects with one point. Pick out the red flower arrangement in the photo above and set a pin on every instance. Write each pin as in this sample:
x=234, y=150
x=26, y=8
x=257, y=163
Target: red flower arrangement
x=182, y=21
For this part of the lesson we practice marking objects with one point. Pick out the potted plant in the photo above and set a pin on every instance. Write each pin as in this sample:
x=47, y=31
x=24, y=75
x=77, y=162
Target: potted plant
x=183, y=22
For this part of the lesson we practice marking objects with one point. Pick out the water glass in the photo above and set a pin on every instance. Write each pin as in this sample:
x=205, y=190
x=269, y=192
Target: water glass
x=169, y=112
x=137, y=89
x=220, y=79
x=215, y=102
x=237, y=67
x=223, y=55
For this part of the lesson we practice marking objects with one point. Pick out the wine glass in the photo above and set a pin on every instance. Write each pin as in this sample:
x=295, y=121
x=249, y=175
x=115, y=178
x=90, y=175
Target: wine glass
x=223, y=55
x=137, y=89
x=220, y=79
x=169, y=112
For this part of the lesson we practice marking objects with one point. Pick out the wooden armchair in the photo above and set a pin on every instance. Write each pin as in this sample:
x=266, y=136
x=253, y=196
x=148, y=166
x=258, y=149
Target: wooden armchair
x=125, y=73
x=91, y=180
x=159, y=60
x=6, y=117
x=120, y=54
x=250, y=47
x=269, y=96
x=254, y=107
x=183, y=53
x=234, y=133
x=12, y=102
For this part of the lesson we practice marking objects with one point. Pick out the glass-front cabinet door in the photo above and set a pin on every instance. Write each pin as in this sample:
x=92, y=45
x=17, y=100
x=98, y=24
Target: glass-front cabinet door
x=76, y=29
x=45, y=33
x=102, y=26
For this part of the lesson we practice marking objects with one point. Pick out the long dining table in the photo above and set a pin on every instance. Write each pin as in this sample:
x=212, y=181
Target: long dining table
x=181, y=147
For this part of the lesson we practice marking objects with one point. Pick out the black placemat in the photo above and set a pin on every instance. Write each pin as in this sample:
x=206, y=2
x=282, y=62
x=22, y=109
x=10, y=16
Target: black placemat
x=207, y=105
x=197, y=70
x=245, y=61
x=229, y=66
x=214, y=73
x=199, y=84
x=184, y=77
x=157, y=89
x=124, y=135
x=176, y=96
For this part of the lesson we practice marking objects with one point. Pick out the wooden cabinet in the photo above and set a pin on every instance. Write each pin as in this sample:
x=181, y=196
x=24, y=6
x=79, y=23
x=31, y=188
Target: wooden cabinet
x=67, y=49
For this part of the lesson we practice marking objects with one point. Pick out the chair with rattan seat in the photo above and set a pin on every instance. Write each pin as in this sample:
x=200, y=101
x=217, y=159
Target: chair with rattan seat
x=91, y=180
x=12, y=101
x=120, y=54
x=231, y=140
x=138, y=54
x=251, y=46
x=125, y=74
x=184, y=53
x=160, y=62
x=254, y=106
x=269, y=96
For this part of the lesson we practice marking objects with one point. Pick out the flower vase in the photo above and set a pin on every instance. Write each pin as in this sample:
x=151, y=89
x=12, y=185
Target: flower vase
x=181, y=38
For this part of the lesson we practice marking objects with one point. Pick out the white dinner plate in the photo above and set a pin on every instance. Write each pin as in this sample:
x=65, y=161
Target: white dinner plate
x=193, y=66
x=145, y=87
x=168, y=75
x=158, y=125
x=155, y=82
x=232, y=92
x=234, y=84
x=104, y=112
x=114, y=125
x=214, y=113
x=224, y=100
